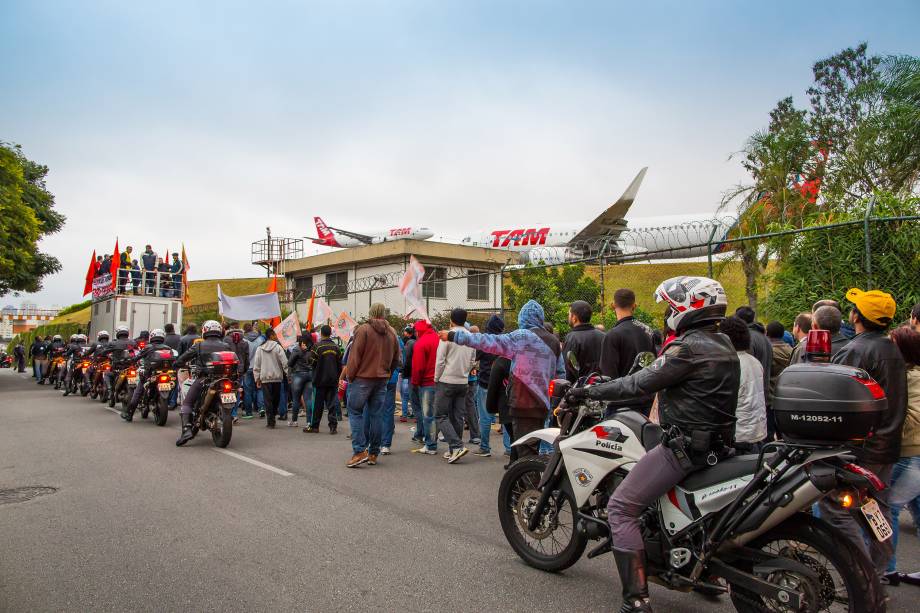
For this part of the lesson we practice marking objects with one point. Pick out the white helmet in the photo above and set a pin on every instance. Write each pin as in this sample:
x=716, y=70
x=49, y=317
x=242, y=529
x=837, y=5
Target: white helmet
x=102, y=334
x=122, y=331
x=212, y=328
x=73, y=338
x=81, y=338
x=157, y=336
x=692, y=300
x=57, y=337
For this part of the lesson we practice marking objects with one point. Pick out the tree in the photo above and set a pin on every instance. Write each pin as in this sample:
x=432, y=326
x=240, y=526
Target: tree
x=555, y=288
x=26, y=215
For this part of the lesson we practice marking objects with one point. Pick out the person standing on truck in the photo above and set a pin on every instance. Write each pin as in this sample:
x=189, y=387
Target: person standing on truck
x=149, y=263
x=176, y=268
x=124, y=268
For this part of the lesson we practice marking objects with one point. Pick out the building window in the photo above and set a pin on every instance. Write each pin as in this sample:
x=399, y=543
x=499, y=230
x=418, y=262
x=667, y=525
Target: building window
x=337, y=285
x=434, y=284
x=477, y=285
x=303, y=288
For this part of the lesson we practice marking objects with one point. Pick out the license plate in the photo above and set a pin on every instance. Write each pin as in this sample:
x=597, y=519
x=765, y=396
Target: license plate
x=132, y=380
x=164, y=387
x=228, y=398
x=877, y=521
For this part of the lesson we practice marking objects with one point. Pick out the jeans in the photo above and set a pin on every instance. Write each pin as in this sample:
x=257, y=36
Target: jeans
x=252, y=397
x=405, y=395
x=425, y=419
x=471, y=414
x=302, y=390
x=387, y=415
x=485, y=418
x=879, y=552
x=905, y=491
x=450, y=407
x=364, y=402
x=282, y=407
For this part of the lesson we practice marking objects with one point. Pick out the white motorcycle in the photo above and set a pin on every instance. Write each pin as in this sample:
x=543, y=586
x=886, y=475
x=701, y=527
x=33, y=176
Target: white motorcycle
x=740, y=526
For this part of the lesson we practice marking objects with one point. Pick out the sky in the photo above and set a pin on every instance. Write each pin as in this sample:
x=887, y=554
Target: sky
x=205, y=122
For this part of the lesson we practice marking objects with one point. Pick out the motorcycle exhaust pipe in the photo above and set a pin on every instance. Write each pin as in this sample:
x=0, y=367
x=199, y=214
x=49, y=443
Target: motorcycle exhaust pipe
x=800, y=498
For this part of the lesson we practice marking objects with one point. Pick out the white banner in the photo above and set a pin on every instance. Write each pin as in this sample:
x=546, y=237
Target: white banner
x=288, y=330
x=248, y=308
x=322, y=312
x=411, y=287
x=102, y=286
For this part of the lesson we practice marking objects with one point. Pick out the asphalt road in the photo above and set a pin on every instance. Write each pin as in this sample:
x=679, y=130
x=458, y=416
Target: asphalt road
x=136, y=524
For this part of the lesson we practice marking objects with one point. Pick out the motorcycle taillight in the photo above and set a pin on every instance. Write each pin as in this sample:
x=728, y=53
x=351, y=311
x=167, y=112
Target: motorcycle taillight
x=163, y=379
x=228, y=387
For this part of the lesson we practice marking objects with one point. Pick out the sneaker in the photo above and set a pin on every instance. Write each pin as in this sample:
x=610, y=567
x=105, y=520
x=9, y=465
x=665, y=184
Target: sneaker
x=371, y=459
x=412, y=429
x=446, y=455
x=261, y=414
x=310, y=430
x=332, y=430
x=357, y=460
x=483, y=453
x=384, y=451
x=441, y=436
x=456, y=454
x=420, y=441
x=424, y=451
x=236, y=420
x=292, y=424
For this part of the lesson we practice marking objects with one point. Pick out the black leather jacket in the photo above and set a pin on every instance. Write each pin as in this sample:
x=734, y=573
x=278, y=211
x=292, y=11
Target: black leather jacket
x=198, y=352
x=875, y=353
x=697, y=379
x=118, y=350
x=146, y=352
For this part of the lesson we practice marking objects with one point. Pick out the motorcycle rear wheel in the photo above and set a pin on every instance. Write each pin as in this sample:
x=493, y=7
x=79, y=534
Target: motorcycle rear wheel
x=846, y=578
x=557, y=531
x=162, y=411
x=126, y=394
x=222, y=432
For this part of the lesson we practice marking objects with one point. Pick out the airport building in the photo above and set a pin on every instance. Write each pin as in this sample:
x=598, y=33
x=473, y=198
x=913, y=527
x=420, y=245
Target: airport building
x=352, y=279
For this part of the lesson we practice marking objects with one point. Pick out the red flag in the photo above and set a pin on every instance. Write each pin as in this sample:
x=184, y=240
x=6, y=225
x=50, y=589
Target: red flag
x=113, y=267
x=166, y=257
x=90, y=275
x=272, y=289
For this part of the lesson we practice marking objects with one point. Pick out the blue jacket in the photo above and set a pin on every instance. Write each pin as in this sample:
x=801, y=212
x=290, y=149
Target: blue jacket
x=533, y=362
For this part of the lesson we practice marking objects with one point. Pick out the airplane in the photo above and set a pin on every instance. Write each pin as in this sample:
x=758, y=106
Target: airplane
x=612, y=236
x=337, y=237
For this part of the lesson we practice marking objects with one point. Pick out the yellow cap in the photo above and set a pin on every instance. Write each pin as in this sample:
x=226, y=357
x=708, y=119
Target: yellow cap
x=875, y=305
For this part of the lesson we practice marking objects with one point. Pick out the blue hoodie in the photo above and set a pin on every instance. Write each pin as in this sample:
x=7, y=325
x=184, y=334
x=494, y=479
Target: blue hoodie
x=533, y=363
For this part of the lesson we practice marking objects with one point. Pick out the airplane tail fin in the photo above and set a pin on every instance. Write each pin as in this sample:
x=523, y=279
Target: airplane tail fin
x=326, y=237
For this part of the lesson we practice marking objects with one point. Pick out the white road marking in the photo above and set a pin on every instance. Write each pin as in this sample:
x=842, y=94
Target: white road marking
x=240, y=456
x=116, y=411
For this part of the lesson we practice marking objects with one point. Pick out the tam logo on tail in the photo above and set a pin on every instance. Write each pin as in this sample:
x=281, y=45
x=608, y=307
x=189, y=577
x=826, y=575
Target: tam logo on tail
x=325, y=234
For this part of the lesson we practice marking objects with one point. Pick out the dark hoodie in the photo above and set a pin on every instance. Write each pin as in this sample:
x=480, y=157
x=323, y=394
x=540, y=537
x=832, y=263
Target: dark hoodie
x=375, y=352
x=494, y=325
x=424, y=353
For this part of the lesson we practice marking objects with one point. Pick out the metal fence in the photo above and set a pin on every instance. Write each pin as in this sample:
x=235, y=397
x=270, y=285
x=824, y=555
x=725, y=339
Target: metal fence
x=789, y=269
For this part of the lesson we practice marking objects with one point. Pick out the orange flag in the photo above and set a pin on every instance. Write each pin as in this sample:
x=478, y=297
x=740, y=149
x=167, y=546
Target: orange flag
x=273, y=289
x=185, y=297
x=90, y=274
x=116, y=260
x=310, y=311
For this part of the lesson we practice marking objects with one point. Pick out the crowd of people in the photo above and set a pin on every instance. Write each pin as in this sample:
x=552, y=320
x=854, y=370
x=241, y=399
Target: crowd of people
x=151, y=276
x=462, y=382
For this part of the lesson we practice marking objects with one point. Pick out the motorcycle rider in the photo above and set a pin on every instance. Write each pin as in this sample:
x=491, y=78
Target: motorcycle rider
x=95, y=349
x=697, y=379
x=72, y=354
x=119, y=351
x=212, y=334
x=157, y=342
x=55, y=350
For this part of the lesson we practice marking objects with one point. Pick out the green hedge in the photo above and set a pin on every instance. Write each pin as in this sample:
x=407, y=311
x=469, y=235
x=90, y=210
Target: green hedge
x=65, y=330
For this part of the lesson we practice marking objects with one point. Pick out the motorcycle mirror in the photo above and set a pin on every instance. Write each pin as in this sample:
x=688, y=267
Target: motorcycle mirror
x=572, y=360
x=643, y=360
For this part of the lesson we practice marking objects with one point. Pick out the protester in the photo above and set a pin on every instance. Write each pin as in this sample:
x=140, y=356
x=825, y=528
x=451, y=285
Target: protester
x=164, y=281
x=135, y=276
x=494, y=325
x=326, y=358
x=471, y=415
x=39, y=354
x=301, y=368
x=536, y=358
x=872, y=351
x=424, y=356
x=497, y=402
x=373, y=356
x=846, y=328
x=584, y=342
x=453, y=364
x=905, y=476
x=252, y=396
x=624, y=342
x=915, y=317
x=782, y=353
x=149, y=263
x=387, y=414
x=405, y=374
x=124, y=269
x=270, y=369
x=751, y=410
x=800, y=329
x=761, y=348
x=19, y=357
x=829, y=318
x=239, y=346
x=176, y=269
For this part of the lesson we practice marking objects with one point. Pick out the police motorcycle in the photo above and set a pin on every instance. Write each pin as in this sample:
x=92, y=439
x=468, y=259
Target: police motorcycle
x=58, y=362
x=739, y=526
x=98, y=390
x=219, y=378
x=158, y=385
x=77, y=365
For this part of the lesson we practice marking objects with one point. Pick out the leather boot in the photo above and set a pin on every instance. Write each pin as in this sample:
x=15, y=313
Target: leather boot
x=128, y=414
x=631, y=567
x=187, y=434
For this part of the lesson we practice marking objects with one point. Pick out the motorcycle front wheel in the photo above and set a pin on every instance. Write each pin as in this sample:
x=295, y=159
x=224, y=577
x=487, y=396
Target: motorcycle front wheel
x=222, y=429
x=846, y=580
x=556, y=543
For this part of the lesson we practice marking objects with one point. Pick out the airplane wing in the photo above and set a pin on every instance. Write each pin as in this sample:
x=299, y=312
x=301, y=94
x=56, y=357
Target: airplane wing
x=364, y=238
x=612, y=221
